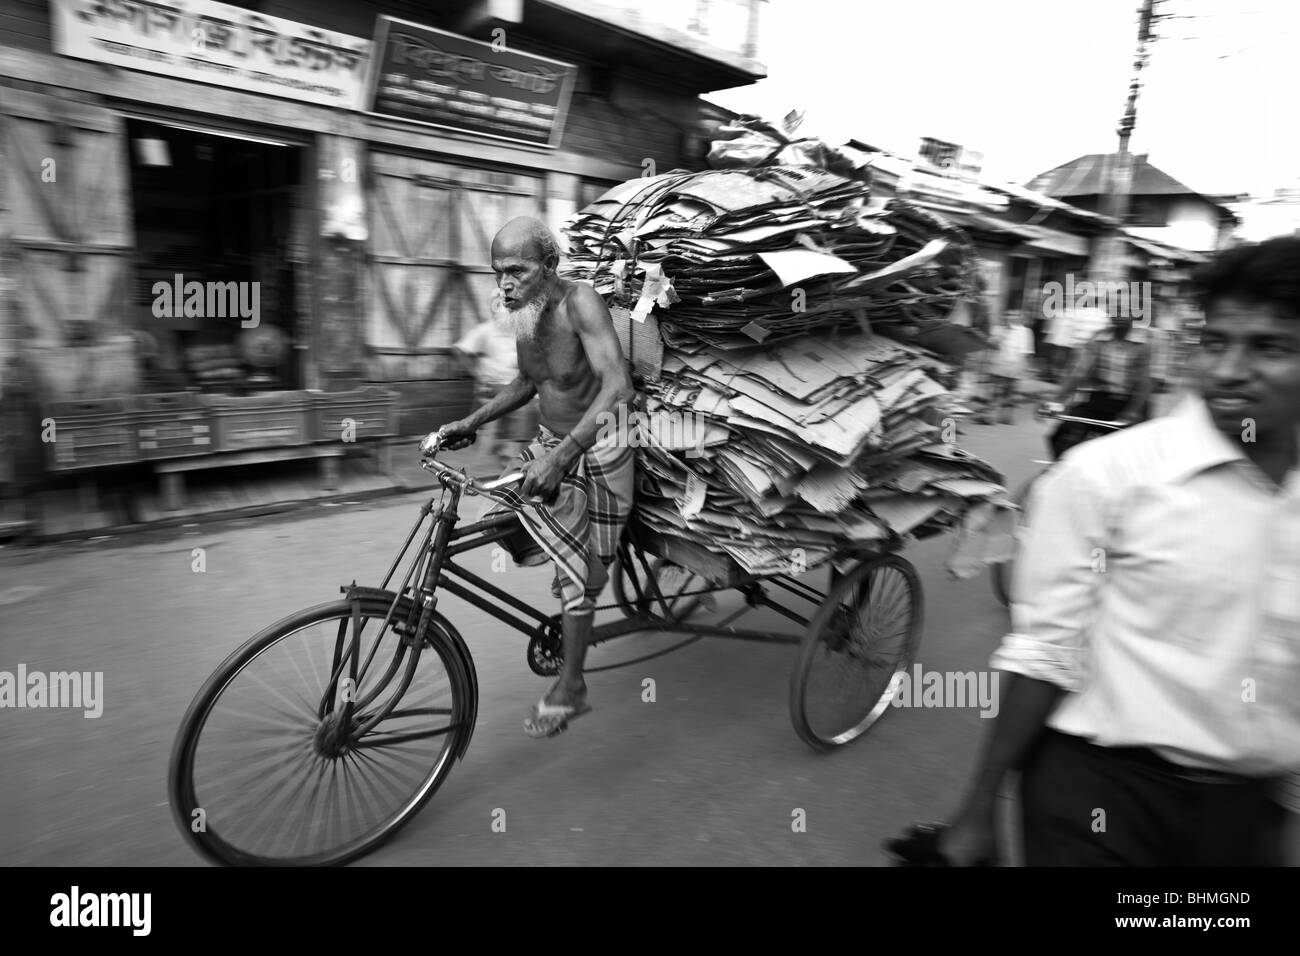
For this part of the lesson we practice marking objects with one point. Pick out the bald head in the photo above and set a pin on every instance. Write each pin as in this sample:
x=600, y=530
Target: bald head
x=524, y=259
x=528, y=238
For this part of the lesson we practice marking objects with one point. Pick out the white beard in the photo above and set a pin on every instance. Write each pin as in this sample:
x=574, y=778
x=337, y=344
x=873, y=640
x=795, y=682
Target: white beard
x=523, y=320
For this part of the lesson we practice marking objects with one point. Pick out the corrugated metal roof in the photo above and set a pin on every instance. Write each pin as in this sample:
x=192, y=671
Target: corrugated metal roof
x=1160, y=250
x=1085, y=176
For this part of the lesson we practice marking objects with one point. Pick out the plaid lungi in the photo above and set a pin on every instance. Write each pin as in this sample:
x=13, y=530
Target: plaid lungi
x=580, y=531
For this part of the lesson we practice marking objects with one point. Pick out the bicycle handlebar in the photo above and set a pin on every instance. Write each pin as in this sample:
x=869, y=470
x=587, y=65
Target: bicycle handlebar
x=1090, y=421
x=471, y=486
x=1097, y=422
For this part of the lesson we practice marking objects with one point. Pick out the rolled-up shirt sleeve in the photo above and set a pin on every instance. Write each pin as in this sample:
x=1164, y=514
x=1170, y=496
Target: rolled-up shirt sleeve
x=1058, y=576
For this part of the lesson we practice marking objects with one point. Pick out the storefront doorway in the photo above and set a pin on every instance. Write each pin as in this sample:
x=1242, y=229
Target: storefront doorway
x=216, y=285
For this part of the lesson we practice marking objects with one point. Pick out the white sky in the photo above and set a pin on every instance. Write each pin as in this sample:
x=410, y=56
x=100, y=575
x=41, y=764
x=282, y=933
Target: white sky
x=1035, y=83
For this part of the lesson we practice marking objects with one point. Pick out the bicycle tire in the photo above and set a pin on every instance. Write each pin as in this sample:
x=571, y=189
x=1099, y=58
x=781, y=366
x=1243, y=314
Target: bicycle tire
x=819, y=638
x=678, y=610
x=440, y=637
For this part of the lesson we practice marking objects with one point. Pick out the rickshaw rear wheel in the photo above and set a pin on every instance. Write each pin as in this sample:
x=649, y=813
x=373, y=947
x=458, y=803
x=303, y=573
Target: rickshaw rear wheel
x=632, y=605
x=867, y=631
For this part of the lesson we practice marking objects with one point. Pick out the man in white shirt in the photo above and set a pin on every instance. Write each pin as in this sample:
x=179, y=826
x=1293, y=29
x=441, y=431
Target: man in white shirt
x=1071, y=328
x=1153, y=705
x=489, y=351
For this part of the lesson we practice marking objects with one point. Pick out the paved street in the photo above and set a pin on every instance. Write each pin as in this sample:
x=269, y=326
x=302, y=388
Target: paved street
x=709, y=773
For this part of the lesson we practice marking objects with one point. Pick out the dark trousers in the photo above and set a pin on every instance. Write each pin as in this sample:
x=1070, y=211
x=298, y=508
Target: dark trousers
x=1086, y=805
x=1059, y=360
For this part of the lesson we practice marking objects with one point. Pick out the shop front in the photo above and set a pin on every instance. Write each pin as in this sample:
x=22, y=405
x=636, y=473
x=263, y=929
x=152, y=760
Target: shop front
x=165, y=308
x=231, y=237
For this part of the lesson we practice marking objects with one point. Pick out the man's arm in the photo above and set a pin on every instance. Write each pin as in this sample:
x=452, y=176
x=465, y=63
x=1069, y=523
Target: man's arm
x=1023, y=711
x=605, y=356
x=515, y=395
x=1058, y=571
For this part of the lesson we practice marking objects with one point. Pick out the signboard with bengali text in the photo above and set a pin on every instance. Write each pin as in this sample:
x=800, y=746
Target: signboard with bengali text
x=216, y=43
x=439, y=78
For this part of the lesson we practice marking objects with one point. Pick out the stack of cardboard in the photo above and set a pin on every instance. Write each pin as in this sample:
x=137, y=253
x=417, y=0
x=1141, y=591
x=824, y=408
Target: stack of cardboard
x=826, y=443
x=738, y=257
x=783, y=329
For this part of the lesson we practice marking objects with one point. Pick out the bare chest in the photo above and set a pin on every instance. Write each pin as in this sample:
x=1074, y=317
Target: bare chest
x=554, y=356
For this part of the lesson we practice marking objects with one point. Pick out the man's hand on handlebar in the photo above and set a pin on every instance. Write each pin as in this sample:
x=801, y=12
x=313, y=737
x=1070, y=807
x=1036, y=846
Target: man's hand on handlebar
x=542, y=477
x=1049, y=409
x=452, y=437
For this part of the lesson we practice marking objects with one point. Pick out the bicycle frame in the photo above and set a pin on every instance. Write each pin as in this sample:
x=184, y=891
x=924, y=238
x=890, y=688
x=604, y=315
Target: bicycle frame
x=435, y=567
x=443, y=571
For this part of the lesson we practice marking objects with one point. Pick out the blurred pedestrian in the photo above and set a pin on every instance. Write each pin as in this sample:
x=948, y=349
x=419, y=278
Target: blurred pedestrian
x=1113, y=374
x=491, y=356
x=972, y=313
x=1151, y=707
x=1058, y=341
x=1009, y=363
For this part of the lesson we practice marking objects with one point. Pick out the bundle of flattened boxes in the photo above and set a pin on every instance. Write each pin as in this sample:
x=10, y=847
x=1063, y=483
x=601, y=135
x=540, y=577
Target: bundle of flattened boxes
x=176, y=430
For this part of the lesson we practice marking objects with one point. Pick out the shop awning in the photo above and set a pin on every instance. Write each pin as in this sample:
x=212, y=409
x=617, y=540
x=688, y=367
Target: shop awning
x=1053, y=241
x=983, y=222
x=1165, y=253
x=204, y=129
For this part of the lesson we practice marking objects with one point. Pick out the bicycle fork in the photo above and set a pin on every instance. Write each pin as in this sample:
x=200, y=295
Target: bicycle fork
x=340, y=729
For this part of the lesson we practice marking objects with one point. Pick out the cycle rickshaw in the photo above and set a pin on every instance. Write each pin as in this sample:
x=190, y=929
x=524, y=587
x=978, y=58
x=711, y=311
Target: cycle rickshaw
x=323, y=734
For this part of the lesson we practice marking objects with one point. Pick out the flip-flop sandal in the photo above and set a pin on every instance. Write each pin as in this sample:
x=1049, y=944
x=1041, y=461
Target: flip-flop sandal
x=549, y=720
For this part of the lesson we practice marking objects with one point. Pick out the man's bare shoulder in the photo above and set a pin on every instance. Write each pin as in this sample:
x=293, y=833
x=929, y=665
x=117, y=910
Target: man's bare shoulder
x=583, y=304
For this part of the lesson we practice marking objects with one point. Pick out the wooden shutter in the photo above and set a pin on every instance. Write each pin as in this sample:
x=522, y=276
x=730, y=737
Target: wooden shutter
x=69, y=214
x=431, y=279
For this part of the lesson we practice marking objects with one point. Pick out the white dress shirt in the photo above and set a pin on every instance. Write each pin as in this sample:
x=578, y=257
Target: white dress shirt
x=1161, y=580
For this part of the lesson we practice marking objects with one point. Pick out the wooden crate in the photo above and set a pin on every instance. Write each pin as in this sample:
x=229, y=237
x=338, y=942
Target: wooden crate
x=90, y=434
x=171, y=425
x=264, y=420
x=426, y=405
x=370, y=412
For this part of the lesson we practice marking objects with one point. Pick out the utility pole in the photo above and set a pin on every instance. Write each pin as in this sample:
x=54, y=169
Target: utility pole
x=1108, y=265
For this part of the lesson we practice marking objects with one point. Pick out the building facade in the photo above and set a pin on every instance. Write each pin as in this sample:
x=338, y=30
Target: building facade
x=258, y=202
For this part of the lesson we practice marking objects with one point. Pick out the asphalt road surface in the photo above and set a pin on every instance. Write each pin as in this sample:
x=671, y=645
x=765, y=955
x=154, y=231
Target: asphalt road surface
x=711, y=772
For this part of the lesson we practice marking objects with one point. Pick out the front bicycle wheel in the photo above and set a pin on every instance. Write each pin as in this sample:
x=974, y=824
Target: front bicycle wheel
x=280, y=761
x=868, y=630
